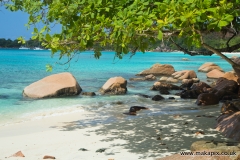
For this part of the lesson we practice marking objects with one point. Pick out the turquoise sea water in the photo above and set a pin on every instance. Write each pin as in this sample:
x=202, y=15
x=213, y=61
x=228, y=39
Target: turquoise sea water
x=19, y=68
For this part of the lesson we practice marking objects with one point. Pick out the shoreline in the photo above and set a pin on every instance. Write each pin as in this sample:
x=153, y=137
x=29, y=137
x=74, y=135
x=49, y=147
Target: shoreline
x=146, y=137
x=169, y=126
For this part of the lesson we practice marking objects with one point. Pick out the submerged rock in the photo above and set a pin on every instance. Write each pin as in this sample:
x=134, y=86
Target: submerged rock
x=137, y=79
x=117, y=103
x=157, y=98
x=143, y=95
x=62, y=84
x=89, y=94
x=4, y=96
x=115, y=86
x=164, y=91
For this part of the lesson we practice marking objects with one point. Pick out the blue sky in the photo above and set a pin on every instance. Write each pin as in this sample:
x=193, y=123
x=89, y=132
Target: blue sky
x=12, y=25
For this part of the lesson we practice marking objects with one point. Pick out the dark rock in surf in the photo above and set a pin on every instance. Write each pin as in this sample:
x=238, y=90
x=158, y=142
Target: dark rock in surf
x=230, y=107
x=200, y=86
x=158, y=98
x=4, y=96
x=165, y=92
x=133, y=110
x=144, y=95
x=89, y=94
x=207, y=99
x=190, y=94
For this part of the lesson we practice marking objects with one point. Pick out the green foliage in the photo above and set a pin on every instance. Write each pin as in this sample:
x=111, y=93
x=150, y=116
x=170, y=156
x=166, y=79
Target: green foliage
x=126, y=24
x=49, y=68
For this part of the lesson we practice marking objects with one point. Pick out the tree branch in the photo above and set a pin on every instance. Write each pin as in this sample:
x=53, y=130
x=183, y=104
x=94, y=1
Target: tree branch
x=230, y=49
x=234, y=65
x=218, y=53
x=191, y=53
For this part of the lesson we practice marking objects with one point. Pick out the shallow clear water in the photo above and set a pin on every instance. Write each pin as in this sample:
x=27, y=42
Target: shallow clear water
x=19, y=68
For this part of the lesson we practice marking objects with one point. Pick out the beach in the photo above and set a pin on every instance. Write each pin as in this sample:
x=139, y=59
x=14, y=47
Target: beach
x=85, y=127
x=140, y=138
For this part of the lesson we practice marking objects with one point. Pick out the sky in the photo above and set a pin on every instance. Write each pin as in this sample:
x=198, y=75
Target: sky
x=12, y=25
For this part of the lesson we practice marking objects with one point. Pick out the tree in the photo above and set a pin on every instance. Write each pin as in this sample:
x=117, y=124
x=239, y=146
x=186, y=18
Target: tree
x=131, y=25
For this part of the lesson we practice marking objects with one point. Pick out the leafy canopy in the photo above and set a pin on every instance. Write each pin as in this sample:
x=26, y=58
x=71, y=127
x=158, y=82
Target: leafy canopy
x=127, y=25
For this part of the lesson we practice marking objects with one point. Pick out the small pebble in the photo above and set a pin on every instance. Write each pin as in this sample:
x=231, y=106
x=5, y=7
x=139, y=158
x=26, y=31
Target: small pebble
x=101, y=150
x=83, y=149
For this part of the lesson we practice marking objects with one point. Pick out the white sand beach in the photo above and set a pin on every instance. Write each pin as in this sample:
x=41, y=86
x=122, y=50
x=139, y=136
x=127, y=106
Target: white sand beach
x=143, y=138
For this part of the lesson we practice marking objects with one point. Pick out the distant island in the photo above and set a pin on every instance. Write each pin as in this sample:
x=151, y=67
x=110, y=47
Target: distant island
x=13, y=44
x=159, y=46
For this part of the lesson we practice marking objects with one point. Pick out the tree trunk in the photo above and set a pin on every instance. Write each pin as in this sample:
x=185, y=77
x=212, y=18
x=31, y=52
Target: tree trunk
x=235, y=65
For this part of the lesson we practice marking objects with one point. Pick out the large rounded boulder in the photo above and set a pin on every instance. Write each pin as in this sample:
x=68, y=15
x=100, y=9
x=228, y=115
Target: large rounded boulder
x=115, y=86
x=62, y=84
x=215, y=73
x=208, y=66
x=158, y=70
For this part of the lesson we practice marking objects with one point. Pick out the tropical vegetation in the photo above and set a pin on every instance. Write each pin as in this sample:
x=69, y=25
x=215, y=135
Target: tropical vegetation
x=131, y=25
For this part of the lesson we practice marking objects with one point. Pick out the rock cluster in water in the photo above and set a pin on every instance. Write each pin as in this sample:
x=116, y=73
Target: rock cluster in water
x=225, y=89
